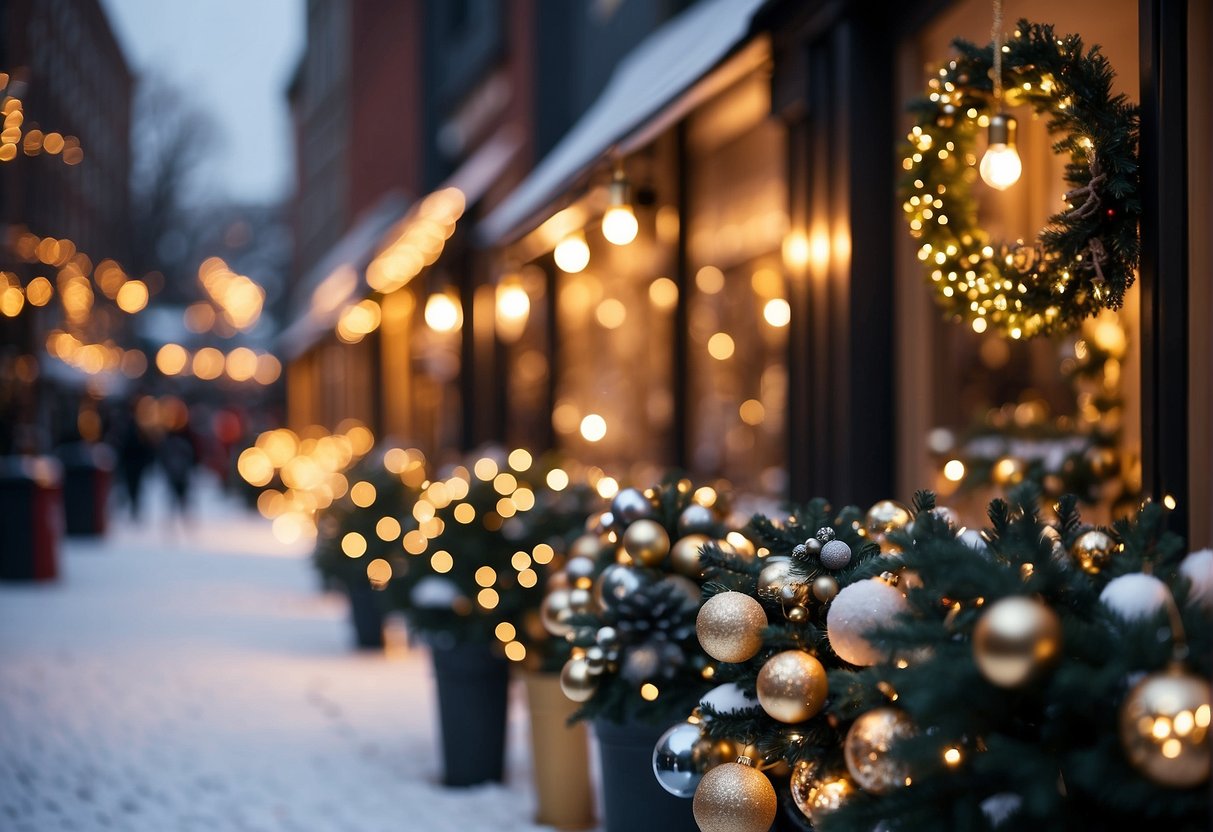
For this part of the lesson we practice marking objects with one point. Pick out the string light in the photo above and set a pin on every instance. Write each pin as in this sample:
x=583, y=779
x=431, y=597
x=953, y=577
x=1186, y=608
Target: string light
x=1000, y=166
x=619, y=224
x=572, y=254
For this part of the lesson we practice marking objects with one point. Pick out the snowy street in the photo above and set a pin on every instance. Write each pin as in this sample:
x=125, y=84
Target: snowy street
x=199, y=680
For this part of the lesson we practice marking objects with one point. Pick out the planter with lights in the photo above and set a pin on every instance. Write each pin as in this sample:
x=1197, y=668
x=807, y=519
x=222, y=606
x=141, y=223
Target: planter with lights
x=478, y=544
x=626, y=601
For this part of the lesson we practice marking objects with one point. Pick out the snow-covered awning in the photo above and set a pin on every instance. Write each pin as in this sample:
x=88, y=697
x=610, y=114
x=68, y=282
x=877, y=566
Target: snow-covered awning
x=383, y=250
x=654, y=75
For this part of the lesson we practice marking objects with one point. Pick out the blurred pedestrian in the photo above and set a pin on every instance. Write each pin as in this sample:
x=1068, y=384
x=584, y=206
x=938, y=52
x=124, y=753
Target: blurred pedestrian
x=178, y=456
x=135, y=453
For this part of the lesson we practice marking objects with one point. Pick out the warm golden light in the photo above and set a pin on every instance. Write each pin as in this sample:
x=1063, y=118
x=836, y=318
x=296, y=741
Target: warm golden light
x=513, y=309
x=649, y=692
x=663, y=293
x=442, y=312
x=485, y=468
x=387, y=529
x=520, y=459
x=171, y=359
x=607, y=488
x=572, y=254
x=777, y=312
x=39, y=291
x=720, y=346
x=505, y=631
x=132, y=296
x=593, y=428
x=268, y=370
x=611, y=313
x=796, y=250
x=619, y=225
x=515, y=651
x=952, y=756
x=208, y=363
x=362, y=494
x=1000, y=166
x=255, y=467
x=441, y=561
x=954, y=470
x=353, y=545
x=487, y=598
x=557, y=479
x=709, y=280
x=241, y=364
x=379, y=572
x=752, y=412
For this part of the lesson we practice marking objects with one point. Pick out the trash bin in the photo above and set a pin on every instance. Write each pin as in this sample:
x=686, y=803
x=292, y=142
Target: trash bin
x=88, y=471
x=31, y=522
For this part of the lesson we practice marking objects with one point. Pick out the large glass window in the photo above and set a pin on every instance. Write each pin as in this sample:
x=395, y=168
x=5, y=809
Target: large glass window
x=738, y=312
x=979, y=412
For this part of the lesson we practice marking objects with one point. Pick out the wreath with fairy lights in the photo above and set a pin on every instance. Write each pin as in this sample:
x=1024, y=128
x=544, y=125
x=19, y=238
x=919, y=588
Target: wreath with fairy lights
x=1084, y=259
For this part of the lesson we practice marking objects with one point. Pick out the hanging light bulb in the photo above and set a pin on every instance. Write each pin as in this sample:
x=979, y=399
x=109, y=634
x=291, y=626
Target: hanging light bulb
x=513, y=308
x=1000, y=166
x=619, y=223
x=572, y=253
x=442, y=312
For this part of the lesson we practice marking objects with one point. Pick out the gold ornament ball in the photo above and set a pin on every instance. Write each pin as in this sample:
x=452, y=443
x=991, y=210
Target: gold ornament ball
x=586, y=546
x=556, y=611
x=734, y=797
x=1164, y=728
x=1015, y=640
x=730, y=626
x=647, y=542
x=684, y=555
x=825, y=587
x=886, y=516
x=868, y=750
x=577, y=680
x=797, y=614
x=775, y=574
x=1093, y=550
x=792, y=686
x=818, y=792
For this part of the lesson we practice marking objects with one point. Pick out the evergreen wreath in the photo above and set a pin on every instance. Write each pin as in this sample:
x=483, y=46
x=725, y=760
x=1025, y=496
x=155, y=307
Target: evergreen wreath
x=1084, y=259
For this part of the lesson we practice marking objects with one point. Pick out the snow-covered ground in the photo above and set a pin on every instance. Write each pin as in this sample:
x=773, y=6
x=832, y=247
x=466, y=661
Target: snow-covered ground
x=196, y=679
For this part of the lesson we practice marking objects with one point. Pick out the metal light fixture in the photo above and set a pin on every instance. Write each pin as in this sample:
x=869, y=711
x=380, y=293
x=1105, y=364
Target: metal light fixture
x=619, y=224
x=1000, y=166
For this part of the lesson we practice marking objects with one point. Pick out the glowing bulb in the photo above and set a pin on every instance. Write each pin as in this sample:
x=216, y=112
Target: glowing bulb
x=593, y=427
x=442, y=313
x=513, y=309
x=1000, y=166
x=572, y=253
x=619, y=225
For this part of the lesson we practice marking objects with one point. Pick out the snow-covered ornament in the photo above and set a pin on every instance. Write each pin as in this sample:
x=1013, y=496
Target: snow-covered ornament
x=858, y=610
x=1135, y=596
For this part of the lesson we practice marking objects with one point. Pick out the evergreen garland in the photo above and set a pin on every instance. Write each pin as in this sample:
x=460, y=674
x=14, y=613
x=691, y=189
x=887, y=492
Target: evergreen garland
x=1084, y=259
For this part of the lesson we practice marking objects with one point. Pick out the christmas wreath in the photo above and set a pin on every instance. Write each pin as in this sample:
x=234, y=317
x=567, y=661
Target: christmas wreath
x=1083, y=260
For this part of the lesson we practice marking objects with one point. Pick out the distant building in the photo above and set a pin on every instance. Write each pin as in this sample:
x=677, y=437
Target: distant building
x=393, y=101
x=73, y=80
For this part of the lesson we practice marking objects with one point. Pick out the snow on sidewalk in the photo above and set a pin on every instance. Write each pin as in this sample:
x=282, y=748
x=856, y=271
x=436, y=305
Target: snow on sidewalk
x=198, y=680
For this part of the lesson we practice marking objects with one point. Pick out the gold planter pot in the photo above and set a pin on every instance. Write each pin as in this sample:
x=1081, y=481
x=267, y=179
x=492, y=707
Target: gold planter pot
x=560, y=755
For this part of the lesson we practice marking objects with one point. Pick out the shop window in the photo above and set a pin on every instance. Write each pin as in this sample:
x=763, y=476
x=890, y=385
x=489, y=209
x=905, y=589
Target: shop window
x=980, y=412
x=738, y=312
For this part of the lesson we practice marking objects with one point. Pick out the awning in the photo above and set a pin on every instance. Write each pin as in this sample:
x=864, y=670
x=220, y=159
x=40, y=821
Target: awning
x=390, y=244
x=664, y=67
x=336, y=280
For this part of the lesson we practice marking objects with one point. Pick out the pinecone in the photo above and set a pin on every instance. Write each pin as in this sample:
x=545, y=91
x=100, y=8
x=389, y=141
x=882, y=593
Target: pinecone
x=658, y=611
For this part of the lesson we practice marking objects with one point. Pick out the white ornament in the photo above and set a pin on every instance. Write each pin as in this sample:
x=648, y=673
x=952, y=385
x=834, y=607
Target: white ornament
x=1134, y=596
x=434, y=593
x=1198, y=569
x=858, y=610
x=729, y=699
x=998, y=808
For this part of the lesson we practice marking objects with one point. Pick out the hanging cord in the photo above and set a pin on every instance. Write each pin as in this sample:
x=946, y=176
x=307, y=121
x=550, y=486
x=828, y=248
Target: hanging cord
x=996, y=33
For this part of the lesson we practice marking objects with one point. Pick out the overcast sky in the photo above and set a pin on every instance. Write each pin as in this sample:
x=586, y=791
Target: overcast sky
x=234, y=59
